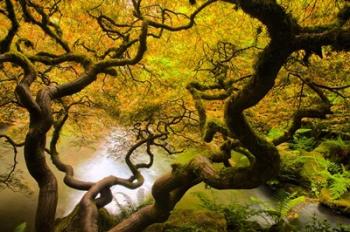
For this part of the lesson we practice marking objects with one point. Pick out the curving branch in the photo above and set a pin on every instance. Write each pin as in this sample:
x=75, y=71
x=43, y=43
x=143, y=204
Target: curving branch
x=161, y=25
x=34, y=146
x=199, y=93
x=50, y=28
x=89, y=204
x=69, y=179
x=266, y=161
x=41, y=120
x=170, y=188
x=134, y=60
x=334, y=89
x=5, y=43
x=286, y=37
x=319, y=111
x=100, y=67
x=22, y=89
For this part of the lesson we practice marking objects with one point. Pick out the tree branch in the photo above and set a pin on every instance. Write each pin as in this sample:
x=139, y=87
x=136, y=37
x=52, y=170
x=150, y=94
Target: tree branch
x=5, y=43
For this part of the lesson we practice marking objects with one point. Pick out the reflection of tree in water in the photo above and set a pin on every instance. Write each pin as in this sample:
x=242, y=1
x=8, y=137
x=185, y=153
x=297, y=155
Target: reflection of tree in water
x=118, y=142
x=48, y=100
x=11, y=176
x=127, y=205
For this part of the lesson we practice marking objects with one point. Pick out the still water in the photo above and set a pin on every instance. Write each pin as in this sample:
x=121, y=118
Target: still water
x=107, y=158
x=90, y=164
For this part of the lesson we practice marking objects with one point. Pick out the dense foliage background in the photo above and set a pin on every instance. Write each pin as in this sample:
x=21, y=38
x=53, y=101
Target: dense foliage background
x=171, y=95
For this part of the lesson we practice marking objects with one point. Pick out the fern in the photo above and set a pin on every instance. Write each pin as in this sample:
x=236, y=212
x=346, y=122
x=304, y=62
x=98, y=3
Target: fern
x=289, y=204
x=337, y=143
x=206, y=203
x=339, y=184
x=303, y=143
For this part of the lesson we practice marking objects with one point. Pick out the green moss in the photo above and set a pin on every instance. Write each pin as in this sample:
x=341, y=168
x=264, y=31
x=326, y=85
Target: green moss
x=186, y=156
x=341, y=205
x=239, y=160
x=191, y=221
x=106, y=220
x=336, y=150
x=316, y=171
x=274, y=133
x=70, y=223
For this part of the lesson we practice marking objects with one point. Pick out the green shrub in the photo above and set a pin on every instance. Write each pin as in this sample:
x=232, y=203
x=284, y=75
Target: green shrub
x=324, y=226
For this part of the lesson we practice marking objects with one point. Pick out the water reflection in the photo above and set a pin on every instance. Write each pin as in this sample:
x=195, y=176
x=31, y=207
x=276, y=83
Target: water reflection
x=109, y=160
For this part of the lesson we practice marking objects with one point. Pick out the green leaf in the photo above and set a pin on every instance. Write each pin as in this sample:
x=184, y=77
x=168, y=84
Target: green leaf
x=21, y=227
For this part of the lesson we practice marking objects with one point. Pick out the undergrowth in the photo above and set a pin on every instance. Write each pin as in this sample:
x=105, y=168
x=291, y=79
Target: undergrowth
x=259, y=216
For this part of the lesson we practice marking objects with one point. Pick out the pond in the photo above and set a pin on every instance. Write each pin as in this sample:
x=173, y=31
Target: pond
x=107, y=159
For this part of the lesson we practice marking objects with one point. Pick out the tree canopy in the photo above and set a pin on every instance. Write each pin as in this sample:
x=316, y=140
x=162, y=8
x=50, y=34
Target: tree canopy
x=217, y=72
